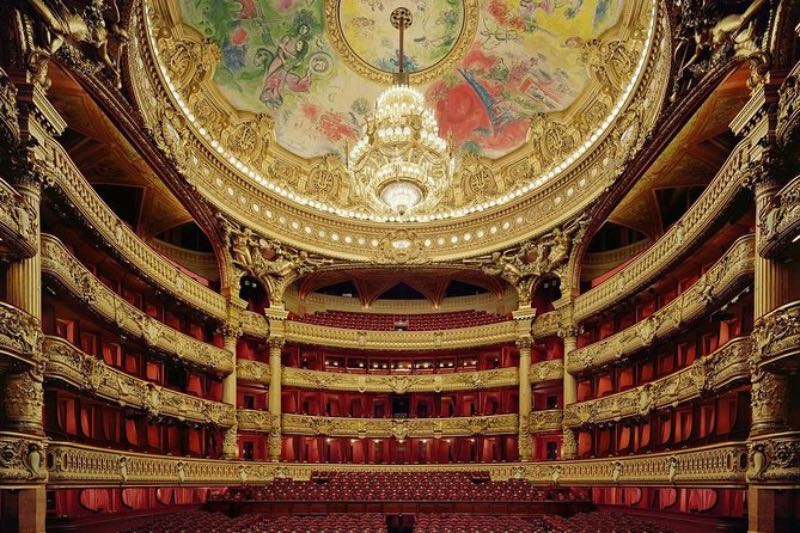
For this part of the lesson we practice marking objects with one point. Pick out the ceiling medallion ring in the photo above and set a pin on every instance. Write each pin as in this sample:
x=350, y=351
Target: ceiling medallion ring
x=470, y=11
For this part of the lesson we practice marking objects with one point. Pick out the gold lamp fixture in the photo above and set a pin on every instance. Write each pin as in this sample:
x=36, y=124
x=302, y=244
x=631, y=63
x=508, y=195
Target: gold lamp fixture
x=401, y=162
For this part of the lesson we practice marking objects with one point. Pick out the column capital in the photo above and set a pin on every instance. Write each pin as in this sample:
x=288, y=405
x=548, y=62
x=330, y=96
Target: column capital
x=524, y=343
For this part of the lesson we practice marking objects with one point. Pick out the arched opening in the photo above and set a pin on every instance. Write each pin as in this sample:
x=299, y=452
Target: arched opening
x=547, y=291
x=254, y=293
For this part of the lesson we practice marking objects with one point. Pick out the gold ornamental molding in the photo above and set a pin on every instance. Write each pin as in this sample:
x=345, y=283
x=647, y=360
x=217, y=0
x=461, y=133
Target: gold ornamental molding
x=726, y=367
x=288, y=215
x=87, y=373
x=399, y=428
x=20, y=334
x=255, y=421
x=19, y=223
x=789, y=104
x=545, y=421
x=777, y=338
x=258, y=372
x=22, y=460
x=78, y=465
x=779, y=222
x=726, y=275
x=63, y=175
x=254, y=325
x=775, y=459
x=59, y=263
x=679, y=241
x=546, y=324
x=486, y=335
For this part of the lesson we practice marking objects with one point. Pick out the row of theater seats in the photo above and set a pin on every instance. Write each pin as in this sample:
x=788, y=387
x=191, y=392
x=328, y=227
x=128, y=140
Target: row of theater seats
x=389, y=322
x=202, y=522
x=401, y=486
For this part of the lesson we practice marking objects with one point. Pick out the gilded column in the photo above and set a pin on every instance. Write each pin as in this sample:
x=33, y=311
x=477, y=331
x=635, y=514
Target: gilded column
x=569, y=445
x=230, y=446
x=275, y=346
x=524, y=436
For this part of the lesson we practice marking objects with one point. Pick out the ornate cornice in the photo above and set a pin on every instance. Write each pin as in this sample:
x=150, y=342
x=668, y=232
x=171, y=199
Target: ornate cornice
x=727, y=366
x=86, y=466
x=545, y=421
x=399, y=428
x=19, y=224
x=68, y=364
x=779, y=222
x=777, y=338
x=725, y=276
x=59, y=263
x=20, y=334
x=678, y=242
x=63, y=177
x=486, y=335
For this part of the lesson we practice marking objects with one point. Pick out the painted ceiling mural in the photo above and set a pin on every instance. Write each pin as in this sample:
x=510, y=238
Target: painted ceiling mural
x=316, y=67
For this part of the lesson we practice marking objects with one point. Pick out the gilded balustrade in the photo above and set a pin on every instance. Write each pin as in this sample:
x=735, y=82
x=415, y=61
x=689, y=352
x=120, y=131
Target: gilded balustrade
x=86, y=372
x=20, y=333
x=73, y=464
x=258, y=372
x=447, y=339
x=59, y=263
x=777, y=338
x=725, y=367
x=63, y=175
x=19, y=223
x=399, y=428
x=254, y=324
x=725, y=276
x=546, y=324
x=677, y=243
x=545, y=421
x=779, y=222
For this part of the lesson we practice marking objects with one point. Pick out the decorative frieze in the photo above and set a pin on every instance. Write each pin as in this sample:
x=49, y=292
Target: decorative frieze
x=87, y=373
x=20, y=333
x=64, y=267
x=399, y=428
x=63, y=176
x=727, y=275
x=257, y=421
x=545, y=421
x=779, y=221
x=19, y=224
x=727, y=366
x=254, y=325
x=777, y=337
x=86, y=466
x=679, y=240
x=775, y=459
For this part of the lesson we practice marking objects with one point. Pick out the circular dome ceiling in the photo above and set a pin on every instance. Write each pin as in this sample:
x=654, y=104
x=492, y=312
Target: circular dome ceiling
x=485, y=67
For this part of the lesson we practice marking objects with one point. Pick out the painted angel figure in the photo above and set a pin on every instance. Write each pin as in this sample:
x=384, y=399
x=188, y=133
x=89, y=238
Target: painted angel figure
x=280, y=66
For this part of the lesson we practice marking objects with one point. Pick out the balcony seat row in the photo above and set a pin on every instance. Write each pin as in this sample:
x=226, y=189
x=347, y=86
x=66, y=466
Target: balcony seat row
x=402, y=322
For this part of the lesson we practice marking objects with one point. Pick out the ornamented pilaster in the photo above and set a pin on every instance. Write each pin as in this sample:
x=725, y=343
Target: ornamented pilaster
x=231, y=333
x=23, y=398
x=275, y=346
x=524, y=437
x=569, y=335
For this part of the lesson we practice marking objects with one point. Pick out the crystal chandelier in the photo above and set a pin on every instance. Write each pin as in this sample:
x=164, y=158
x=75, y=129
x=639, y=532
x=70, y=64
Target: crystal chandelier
x=401, y=162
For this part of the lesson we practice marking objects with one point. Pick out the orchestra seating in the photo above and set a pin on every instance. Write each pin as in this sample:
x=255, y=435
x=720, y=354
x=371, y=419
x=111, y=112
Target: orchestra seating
x=205, y=522
x=400, y=486
x=407, y=322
